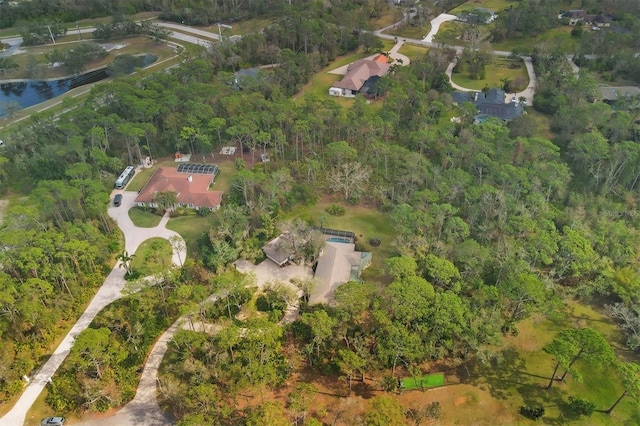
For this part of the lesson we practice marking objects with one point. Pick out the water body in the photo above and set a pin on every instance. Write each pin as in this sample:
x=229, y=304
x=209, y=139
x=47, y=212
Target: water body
x=32, y=92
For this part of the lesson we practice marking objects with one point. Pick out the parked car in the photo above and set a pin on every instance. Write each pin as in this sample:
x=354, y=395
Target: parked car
x=52, y=421
x=117, y=200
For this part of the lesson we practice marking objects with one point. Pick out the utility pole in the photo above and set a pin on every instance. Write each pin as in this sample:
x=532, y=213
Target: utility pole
x=220, y=26
x=51, y=34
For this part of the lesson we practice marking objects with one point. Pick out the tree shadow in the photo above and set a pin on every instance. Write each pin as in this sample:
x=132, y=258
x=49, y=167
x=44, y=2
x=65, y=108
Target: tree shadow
x=506, y=368
x=364, y=390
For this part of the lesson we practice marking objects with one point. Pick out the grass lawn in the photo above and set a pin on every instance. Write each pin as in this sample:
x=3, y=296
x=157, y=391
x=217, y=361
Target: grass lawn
x=449, y=33
x=410, y=31
x=190, y=229
x=413, y=51
x=365, y=222
x=494, y=5
x=388, y=16
x=498, y=69
x=144, y=218
x=559, y=36
x=152, y=256
x=424, y=382
x=523, y=370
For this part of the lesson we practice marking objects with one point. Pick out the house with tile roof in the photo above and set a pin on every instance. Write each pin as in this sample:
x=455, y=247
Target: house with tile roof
x=192, y=189
x=492, y=103
x=358, y=73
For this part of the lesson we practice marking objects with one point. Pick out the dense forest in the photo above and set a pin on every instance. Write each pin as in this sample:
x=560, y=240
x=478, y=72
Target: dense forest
x=494, y=222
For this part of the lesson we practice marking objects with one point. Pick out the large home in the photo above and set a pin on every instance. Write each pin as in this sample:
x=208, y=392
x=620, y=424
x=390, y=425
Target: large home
x=492, y=103
x=579, y=16
x=338, y=263
x=358, y=73
x=190, y=182
x=612, y=94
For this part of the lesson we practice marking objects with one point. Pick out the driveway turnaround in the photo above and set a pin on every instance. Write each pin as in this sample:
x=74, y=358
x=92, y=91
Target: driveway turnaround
x=110, y=291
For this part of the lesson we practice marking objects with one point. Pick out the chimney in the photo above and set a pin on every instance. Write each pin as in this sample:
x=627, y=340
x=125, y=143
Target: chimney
x=190, y=178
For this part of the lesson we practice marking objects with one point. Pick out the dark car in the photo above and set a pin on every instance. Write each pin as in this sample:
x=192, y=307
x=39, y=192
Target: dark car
x=117, y=200
x=52, y=421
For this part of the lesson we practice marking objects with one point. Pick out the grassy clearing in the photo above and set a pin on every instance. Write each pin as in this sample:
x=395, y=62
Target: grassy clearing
x=144, y=218
x=223, y=180
x=449, y=33
x=559, y=36
x=152, y=256
x=500, y=68
x=522, y=371
x=413, y=51
x=387, y=17
x=424, y=382
x=365, y=222
x=543, y=123
x=494, y=5
x=190, y=229
x=409, y=31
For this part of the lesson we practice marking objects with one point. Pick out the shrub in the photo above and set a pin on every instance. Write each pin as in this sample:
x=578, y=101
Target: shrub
x=533, y=413
x=581, y=407
x=336, y=210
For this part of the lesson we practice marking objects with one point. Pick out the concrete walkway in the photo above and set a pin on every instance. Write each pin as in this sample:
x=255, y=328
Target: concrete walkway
x=110, y=291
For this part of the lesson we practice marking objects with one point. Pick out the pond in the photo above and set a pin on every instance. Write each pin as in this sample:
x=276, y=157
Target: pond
x=32, y=92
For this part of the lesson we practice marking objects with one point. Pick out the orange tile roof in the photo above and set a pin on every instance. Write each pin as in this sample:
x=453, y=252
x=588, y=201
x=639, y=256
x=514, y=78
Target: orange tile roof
x=381, y=58
x=194, y=192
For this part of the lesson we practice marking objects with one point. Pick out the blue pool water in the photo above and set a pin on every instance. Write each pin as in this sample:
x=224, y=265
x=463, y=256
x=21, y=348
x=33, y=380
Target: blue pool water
x=338, y=240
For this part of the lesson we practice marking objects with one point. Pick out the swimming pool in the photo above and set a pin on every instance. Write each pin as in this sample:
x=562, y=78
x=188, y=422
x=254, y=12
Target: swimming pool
x=338, y=240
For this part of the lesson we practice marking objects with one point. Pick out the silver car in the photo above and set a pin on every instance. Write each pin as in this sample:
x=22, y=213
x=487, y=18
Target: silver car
x=52, y=421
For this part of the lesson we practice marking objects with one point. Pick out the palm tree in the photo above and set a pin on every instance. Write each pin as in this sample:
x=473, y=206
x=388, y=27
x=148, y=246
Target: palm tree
x=126, y=259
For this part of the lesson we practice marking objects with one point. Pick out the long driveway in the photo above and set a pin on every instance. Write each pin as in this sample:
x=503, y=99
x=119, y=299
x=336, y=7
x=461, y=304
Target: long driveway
x=110, y=291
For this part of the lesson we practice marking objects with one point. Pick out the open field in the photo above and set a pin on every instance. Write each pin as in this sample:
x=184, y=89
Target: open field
x=496, y=71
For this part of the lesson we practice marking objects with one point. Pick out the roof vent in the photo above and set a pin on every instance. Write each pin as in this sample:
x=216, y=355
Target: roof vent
x=190, y=178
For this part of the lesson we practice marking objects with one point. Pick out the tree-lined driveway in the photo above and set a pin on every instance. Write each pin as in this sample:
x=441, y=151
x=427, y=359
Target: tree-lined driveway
x=110, y=291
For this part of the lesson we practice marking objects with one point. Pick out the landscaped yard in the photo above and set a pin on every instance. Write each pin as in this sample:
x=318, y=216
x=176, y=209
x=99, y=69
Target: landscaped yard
x=366, y=223
x=499, y=69
x=410, y=31
x=144, y=218
x=190, y=229
x=151, y=257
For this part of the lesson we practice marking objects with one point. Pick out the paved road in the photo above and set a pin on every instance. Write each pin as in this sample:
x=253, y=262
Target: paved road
x=110, y=291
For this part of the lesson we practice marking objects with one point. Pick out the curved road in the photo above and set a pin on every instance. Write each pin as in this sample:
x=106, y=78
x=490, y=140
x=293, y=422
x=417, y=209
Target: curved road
x=110, y=291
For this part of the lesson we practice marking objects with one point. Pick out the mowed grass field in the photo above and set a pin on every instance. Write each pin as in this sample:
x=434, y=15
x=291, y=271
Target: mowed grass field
x=365, y=222
x=494, y=5
x=496, y=71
